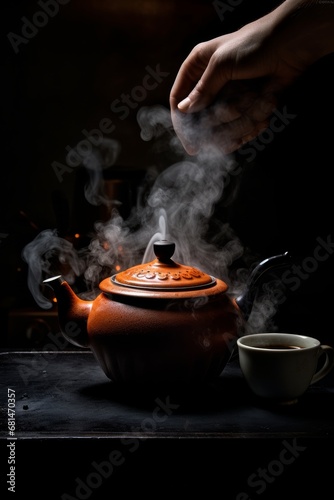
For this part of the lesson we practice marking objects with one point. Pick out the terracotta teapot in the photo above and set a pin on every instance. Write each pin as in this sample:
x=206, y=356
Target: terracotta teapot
x=160, y=322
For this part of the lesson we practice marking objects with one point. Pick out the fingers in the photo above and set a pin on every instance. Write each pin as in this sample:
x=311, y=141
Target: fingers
x=198, y=81
x=187, y=130
x=238, y=99
x=206, y=89
x=239, y=115
x=230, y=137
x=190, y=73
x=197, y=133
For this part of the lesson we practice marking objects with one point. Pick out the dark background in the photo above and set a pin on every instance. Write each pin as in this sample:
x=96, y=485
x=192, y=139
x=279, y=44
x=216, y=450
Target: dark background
x=63, y=81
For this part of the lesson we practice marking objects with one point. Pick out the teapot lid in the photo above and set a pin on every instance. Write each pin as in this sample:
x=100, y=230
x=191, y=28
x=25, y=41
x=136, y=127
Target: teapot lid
x=162, y=274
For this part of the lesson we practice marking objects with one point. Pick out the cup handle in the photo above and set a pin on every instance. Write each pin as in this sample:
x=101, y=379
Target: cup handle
x=328, y=351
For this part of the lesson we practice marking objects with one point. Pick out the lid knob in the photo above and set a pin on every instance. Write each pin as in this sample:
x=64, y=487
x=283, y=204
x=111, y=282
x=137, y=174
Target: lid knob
x=164, y=250
x=161, y=276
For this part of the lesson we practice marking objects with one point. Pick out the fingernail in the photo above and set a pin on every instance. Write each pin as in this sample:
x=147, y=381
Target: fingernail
x=184, y=105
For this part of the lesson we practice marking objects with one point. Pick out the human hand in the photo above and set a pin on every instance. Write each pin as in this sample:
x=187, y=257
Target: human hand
x=227, y=88
x=237, y=115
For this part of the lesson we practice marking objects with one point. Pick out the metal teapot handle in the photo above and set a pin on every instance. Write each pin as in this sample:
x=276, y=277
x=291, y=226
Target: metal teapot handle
x=246, y=300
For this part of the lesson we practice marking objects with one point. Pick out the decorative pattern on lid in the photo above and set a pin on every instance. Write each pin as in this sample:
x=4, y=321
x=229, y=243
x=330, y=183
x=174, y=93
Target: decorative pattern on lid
x=163, y=272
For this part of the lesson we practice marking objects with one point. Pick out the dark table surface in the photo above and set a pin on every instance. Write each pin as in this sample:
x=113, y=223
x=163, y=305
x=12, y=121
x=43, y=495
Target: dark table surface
x=70, y=419
x=66, y=394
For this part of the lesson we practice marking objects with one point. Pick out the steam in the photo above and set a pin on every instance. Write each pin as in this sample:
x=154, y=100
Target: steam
x=46, y=254
x=96, y=161
x=159, y=235
x=187, y=192
x=153, y=121
x=179, y=206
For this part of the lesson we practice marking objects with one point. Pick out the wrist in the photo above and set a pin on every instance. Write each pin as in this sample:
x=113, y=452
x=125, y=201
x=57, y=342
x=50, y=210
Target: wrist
x=307, y=26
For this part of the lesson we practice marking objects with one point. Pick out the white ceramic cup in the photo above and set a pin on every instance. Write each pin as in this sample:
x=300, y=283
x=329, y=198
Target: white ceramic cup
x=281, y=366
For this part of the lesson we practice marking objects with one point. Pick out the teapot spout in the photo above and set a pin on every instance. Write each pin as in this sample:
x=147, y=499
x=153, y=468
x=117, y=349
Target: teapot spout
x=246, y=300
x=73, y=312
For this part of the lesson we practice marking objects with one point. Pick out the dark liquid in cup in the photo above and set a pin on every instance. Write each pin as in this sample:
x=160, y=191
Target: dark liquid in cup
x=280, y=346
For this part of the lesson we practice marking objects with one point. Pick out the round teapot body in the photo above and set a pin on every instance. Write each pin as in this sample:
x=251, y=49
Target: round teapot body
x=139, y=340
x=158, y=323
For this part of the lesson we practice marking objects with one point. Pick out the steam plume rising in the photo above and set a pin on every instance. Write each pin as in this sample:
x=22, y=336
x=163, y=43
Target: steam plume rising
x=179, y=206
x=96, y=161
x=44, y=255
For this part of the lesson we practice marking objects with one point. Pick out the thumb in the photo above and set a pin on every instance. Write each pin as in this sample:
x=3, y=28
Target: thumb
x=205, y=91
